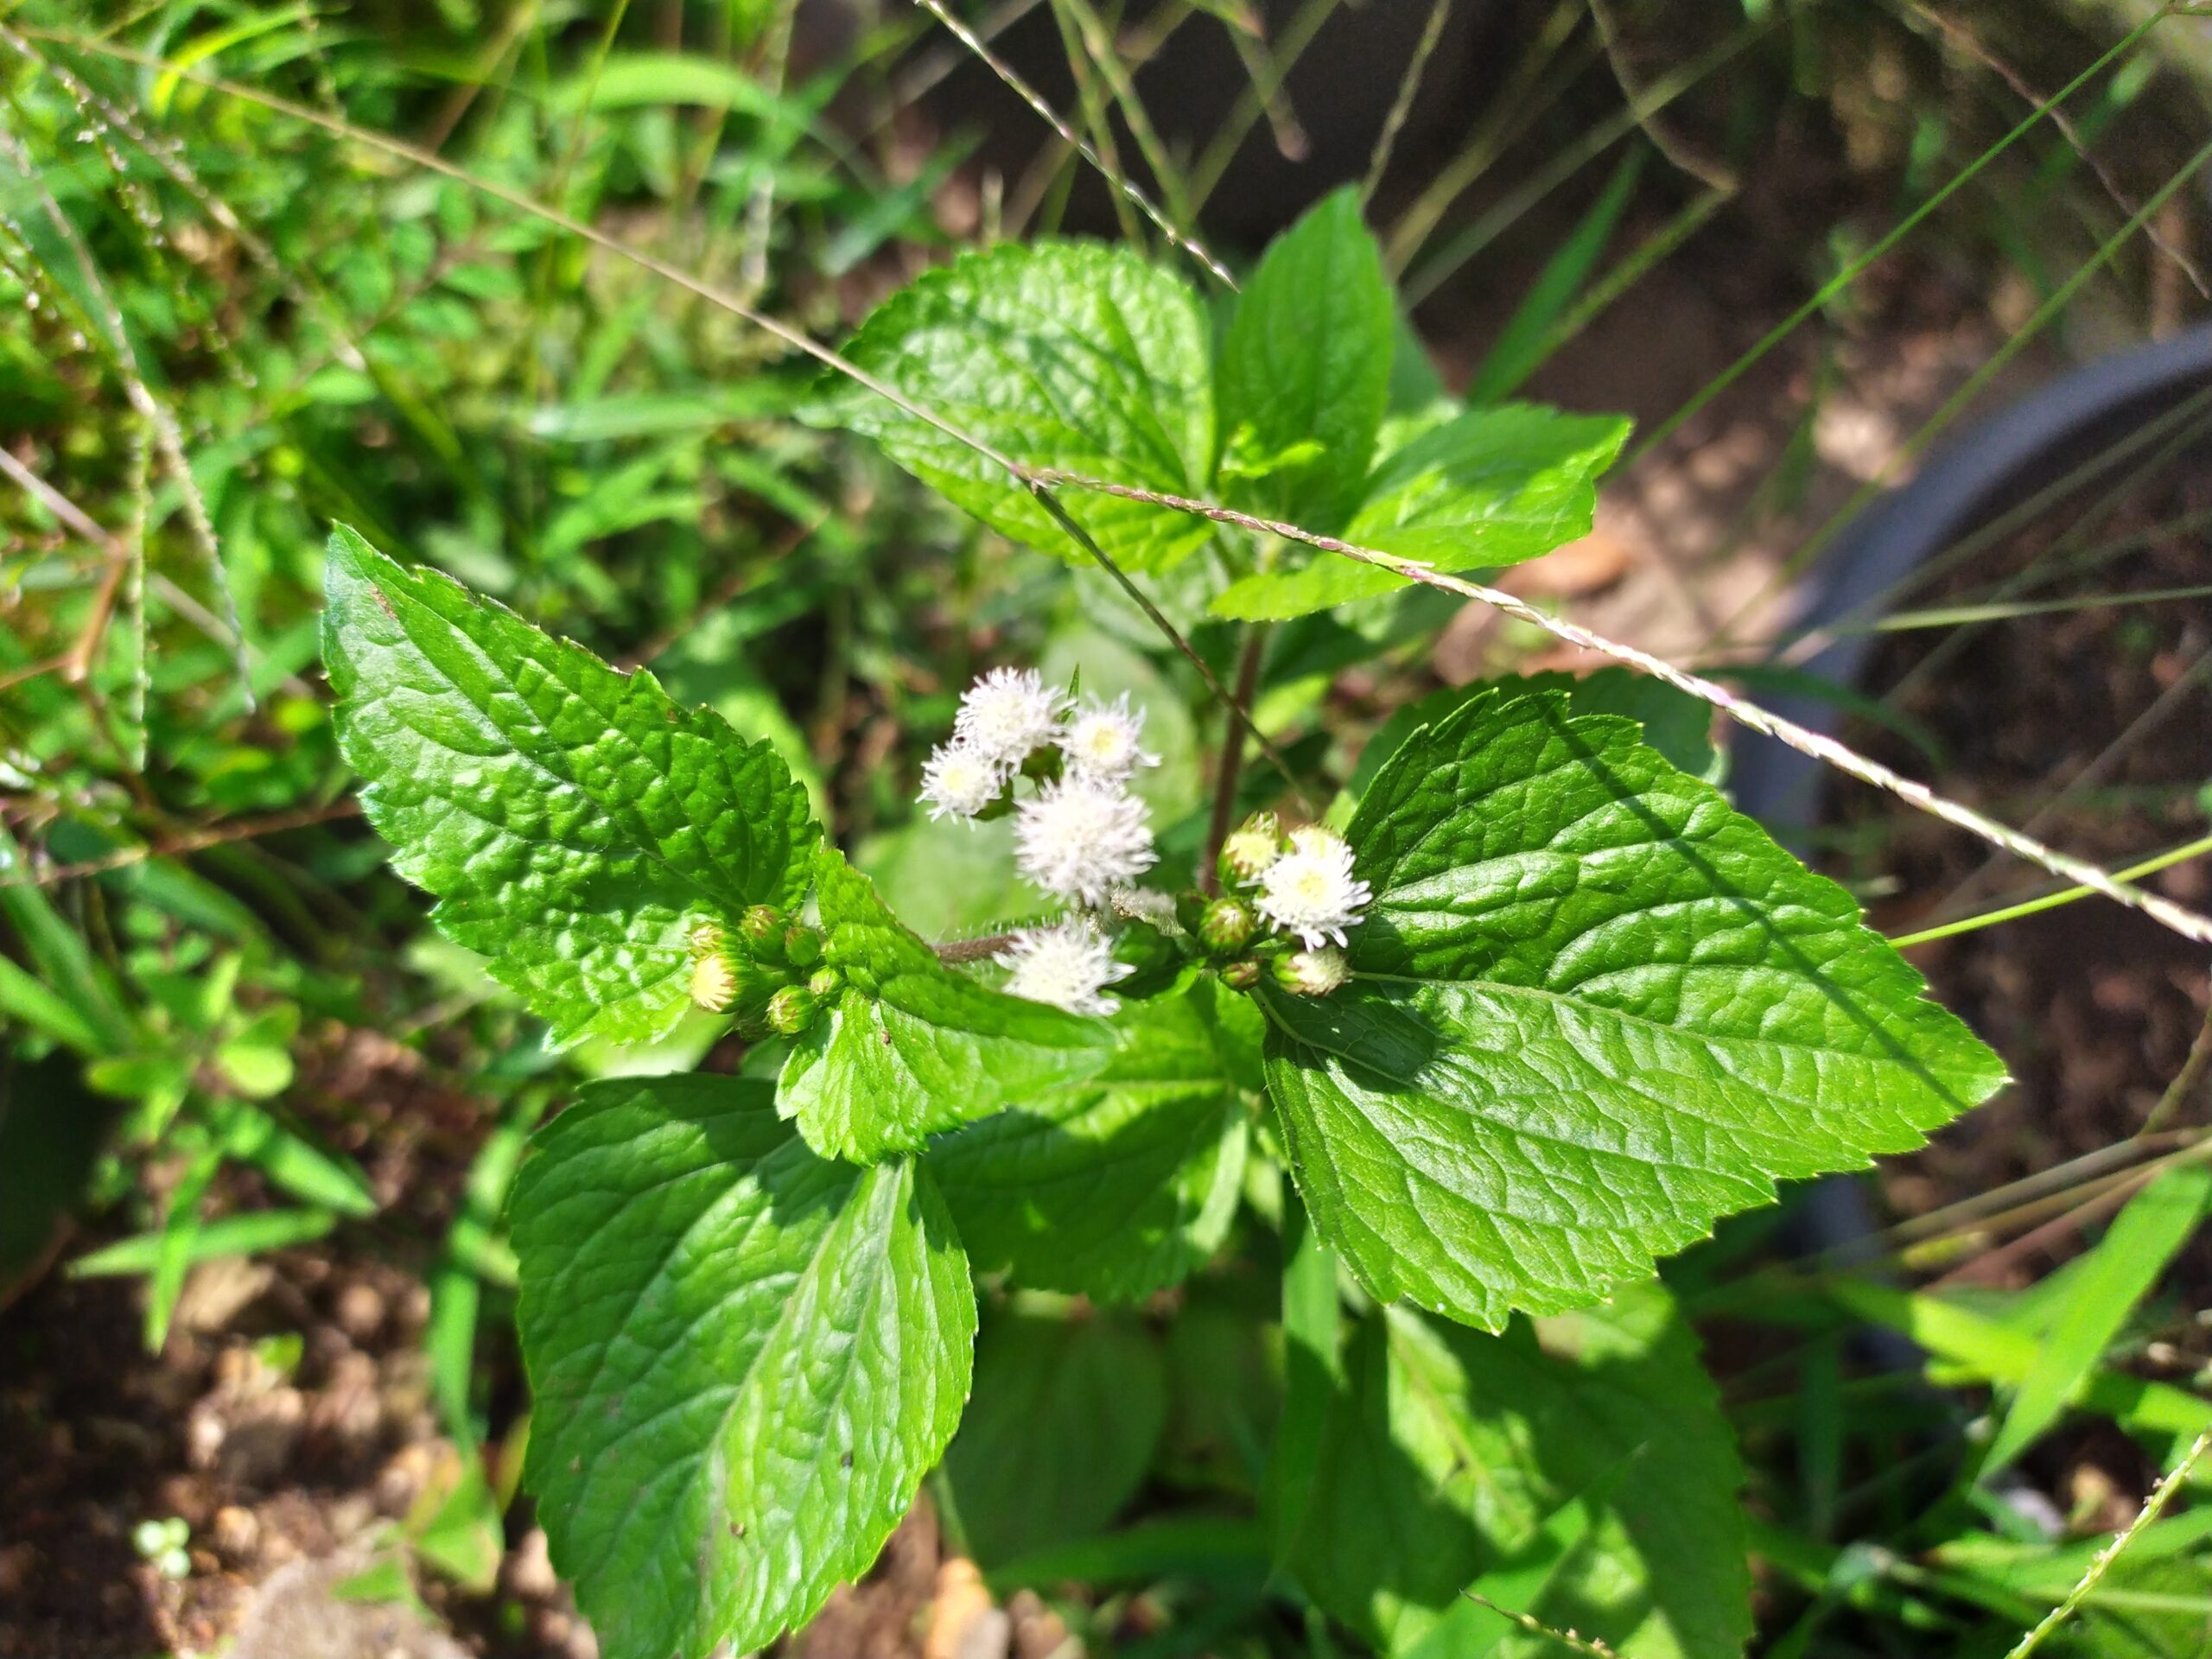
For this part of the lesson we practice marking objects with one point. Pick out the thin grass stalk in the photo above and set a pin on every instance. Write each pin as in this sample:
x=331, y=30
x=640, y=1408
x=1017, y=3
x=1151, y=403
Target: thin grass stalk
x=1176, y=236
x=1094, y=121
x=1261, y=97
x=2093, y=517
x=1851, y=273
x=168, y=438
x=1801, y=645
x=1976, y=383
x=1507, y=117
x=1378, y=160
x=1439, y=269
x=2182, y=920
x=1965, y=39
x=2161, y=1495
x=2161, y=708
x=1099, y=46
x=2166, y=860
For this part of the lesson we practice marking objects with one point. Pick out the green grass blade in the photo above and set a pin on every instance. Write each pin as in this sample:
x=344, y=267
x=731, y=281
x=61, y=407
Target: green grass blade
x=1528, y=337
x=2121, y=1271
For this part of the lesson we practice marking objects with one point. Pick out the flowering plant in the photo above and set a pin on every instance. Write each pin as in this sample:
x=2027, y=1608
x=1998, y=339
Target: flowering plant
x=1460, y=1054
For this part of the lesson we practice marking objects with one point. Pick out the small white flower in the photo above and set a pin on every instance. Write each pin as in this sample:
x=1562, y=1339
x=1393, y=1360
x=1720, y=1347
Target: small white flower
x=1311, y=891
x=1081, y=838
x=960, y=779
x=1008, y=713
x=714, y=982
x=1069, y=965
x=1106, y=739
x=1255, y=843
x=1313, y=973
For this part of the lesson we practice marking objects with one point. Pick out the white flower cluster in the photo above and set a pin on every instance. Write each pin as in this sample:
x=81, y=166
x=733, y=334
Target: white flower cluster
x=1069, y=965
x=1083, y=834
x=1305, y=879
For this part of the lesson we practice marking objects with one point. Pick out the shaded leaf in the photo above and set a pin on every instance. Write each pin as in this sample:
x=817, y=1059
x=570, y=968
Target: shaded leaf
x=1594, y=1009
x=910, y=1046
x=1588, y=1447
x=1066, y=1414
x=744, y=1358
x=1115, y=1185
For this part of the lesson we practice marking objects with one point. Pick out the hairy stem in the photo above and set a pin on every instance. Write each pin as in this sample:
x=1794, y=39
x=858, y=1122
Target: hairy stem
x=1232, y=759
x=981, y=949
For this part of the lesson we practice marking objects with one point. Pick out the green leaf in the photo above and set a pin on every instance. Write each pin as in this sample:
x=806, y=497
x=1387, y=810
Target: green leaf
x=2152, y=1603
x=1495, y=487
x=1306, y=365
x=2105, y=1287
x=1983, y=1347
x=743, y=1357
x=1066, y=355
x=1675, y=723
x=911, y=1048
x=575, y=824
x=295, y=1163
x=52, y=1131
x=1593, y=1010
x=248, y=1233
x=1118, y=1185
x=1066, y=1415
x=1313, y=1376
x=1582, y=1457
x=453, y=1525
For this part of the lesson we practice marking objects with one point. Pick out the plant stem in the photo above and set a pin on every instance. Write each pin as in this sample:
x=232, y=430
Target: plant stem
x=978, y=949
x=1232, y=757
x=2194, y=1070
x=2159, y=1497
x=2051, y=900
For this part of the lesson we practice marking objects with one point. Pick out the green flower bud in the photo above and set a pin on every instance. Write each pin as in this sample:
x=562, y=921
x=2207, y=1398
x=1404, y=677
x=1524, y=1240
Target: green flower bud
x=1256, y=843
x=1191, y=911
x=826, y=983
x=1227, y=927
x=802, y=947
x=1312, y=973
x=763, y=928
x=791, y=1010
x=1241, y=975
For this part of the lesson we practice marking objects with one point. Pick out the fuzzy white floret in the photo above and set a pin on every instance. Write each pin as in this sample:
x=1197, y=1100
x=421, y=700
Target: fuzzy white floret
x=1106, y=739
x=1316, y=973
x=961, y=779
x=1007, y=714
x=1069, y=966
x=1310, y=890
x=1081, y=838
